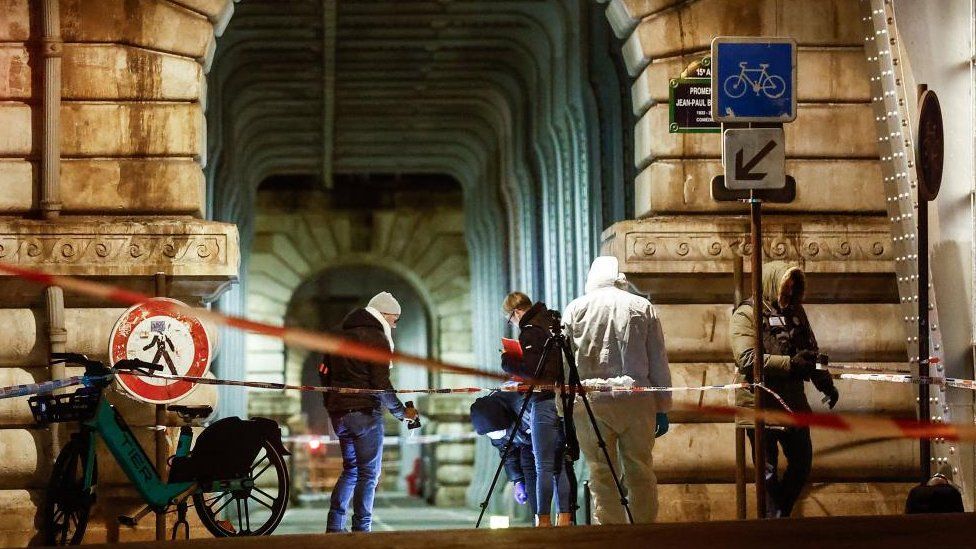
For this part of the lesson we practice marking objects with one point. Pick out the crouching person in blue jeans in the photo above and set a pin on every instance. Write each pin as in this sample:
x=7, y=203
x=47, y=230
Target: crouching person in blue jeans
x=358, y=418
x=494, y=415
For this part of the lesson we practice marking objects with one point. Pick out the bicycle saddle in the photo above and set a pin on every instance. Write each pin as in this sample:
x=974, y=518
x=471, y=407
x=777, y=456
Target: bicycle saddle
x=191, y=412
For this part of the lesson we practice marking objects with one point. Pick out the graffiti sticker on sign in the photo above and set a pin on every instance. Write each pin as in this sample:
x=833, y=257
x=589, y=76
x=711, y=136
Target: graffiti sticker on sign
x=157, y=332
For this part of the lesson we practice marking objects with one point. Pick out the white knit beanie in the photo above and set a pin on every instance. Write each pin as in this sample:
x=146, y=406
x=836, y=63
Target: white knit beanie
x=384, y=302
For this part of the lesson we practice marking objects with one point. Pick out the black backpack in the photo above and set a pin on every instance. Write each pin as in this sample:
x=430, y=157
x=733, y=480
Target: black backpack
x=226, y=450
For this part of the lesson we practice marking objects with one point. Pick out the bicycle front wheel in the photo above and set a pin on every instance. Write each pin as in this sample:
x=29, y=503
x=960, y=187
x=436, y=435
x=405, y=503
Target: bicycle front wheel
x=773, y=87
x=68, y=501
x=255, y=510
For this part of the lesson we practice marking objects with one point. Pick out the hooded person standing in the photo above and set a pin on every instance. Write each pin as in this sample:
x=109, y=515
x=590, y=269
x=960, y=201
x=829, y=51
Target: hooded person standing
x=358, y=418
x=614, y=333
x=790, y=359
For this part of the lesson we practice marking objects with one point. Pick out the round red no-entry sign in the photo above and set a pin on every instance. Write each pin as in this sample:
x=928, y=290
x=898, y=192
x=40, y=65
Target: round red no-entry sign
x=156, y=331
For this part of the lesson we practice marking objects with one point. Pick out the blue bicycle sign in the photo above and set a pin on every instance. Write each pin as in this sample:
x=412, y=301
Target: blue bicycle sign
x=771, y=86
x=753, y=79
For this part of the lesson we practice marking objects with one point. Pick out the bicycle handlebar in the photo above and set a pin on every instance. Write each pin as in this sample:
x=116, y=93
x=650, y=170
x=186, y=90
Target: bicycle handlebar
x=129, y=364
x=73, y=358
x=136, y=364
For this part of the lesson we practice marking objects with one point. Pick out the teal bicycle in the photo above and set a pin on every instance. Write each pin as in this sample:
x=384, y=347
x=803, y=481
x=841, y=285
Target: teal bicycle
x=235, y=474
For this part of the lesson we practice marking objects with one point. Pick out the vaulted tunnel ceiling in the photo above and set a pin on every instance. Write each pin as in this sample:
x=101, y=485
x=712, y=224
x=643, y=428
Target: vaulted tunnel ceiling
x=496, y=94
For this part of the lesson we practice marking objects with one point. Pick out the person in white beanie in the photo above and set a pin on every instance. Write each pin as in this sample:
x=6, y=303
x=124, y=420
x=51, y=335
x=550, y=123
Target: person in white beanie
x=616, y=335
x=358, y=418
x=385, y=308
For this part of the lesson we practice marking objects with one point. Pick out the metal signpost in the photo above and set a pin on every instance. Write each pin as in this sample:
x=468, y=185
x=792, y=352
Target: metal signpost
x=754, y=81
x=929, y=159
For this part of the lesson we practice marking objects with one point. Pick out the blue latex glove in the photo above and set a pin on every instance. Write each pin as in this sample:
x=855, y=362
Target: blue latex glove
x=519, y=493
x=662, y=424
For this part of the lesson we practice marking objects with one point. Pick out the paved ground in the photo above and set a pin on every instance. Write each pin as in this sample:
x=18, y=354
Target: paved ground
x=392, y=511
x=946, y=531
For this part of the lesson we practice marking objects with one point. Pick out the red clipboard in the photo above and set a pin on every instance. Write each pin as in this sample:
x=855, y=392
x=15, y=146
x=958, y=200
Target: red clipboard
x=512, y=348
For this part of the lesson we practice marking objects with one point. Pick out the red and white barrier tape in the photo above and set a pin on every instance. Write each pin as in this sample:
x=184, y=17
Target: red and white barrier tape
x=326, y=343
x=520, y=387
x=305, y=339
x=875, y=425
x=914, y=380
x=862, y=369
x=387, y=440
x=852, y=423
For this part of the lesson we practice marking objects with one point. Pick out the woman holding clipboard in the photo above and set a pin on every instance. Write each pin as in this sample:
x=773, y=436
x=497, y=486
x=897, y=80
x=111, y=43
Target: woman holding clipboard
x=534, y=322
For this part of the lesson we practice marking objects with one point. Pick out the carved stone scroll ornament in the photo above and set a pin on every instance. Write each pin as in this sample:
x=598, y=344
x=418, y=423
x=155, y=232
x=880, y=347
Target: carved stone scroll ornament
x=853, y=246
x=121, y=250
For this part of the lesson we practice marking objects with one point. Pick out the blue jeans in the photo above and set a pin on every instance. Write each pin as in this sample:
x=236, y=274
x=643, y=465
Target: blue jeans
x=545, y=436
x=361, y=441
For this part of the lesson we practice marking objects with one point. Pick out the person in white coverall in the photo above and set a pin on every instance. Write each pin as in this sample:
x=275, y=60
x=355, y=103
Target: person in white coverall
x=614, y=333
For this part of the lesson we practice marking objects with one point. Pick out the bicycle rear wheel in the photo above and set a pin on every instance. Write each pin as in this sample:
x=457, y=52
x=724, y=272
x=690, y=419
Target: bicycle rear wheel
x=252, y=511
x=68, y=502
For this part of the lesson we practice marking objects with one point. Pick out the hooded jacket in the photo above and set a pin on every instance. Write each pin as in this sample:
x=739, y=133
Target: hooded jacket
x=615, y=333
x=361, y=326
x=788, y=333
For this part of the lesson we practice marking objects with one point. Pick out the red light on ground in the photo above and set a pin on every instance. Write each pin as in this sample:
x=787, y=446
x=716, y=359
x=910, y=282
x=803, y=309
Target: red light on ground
x=314, y=444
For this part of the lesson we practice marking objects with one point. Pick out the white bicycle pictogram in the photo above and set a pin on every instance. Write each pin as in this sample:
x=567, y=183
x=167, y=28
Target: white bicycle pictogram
x=770, y=85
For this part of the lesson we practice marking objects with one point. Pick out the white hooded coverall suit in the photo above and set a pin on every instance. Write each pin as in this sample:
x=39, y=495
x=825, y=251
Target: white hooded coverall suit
x=615, y=333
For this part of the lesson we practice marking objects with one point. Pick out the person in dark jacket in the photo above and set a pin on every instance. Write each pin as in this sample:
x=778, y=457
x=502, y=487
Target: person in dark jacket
x=790, y=349
x=494, y=415
x=535, y=323
x=358, y=418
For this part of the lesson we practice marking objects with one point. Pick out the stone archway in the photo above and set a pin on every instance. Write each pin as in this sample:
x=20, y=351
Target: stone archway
x=302, y=235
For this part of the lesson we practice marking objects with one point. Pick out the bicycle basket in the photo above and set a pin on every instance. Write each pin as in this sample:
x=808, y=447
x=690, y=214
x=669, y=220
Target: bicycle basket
x=77, y=406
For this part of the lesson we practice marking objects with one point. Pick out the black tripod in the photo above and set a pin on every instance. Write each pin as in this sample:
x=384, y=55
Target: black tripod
x=571, y=450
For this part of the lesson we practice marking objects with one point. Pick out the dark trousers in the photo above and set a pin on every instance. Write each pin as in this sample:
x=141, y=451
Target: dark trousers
x=782, y=492
x=527, y=463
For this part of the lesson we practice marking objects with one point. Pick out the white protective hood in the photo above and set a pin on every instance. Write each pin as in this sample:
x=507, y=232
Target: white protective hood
x=603, y=273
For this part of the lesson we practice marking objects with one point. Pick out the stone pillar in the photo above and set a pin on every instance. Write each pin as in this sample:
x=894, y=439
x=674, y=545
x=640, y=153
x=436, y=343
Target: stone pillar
x=51, y=149
x=682, y=246
x=115, y=144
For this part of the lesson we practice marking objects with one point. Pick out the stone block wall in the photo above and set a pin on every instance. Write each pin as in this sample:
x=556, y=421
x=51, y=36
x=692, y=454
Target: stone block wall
x=682, y=247
x=102, y=140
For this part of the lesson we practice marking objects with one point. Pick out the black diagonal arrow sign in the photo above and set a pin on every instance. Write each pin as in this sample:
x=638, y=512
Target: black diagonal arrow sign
x=744, y=172
x=754, y=158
